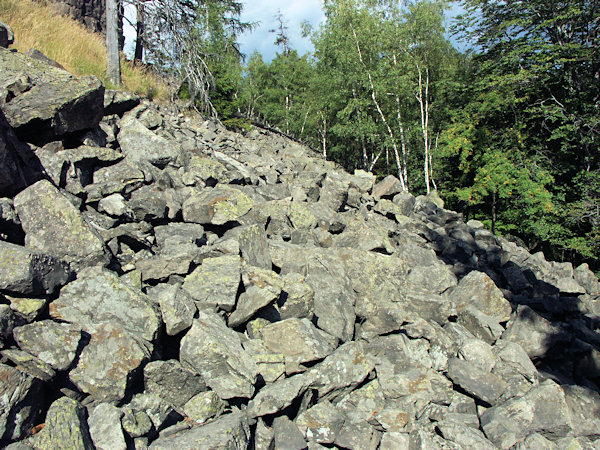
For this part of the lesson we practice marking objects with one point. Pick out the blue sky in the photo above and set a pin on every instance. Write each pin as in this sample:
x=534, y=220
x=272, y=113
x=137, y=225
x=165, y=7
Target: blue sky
x=264, y=12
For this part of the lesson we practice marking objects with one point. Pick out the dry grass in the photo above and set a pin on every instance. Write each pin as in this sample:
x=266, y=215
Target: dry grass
x=80, y=51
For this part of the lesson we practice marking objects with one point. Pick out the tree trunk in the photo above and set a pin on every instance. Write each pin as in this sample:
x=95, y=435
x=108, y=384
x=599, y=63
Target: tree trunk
x=494, y=212
x=139, y=35
x=113, y=64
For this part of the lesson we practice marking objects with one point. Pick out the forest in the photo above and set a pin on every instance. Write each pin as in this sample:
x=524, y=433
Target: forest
x=505, y=129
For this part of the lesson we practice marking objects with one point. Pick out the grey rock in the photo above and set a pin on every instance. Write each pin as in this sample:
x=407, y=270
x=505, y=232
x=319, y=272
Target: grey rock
x=8, y=321
x=176, y=261
x=542, y=410
x=477, y=289
x=204, y=406
x=480, y=325
x=135, y=423
x=123, y=177
x=535, y=441
x=534, y=333
x=99, y=373
x=388, y=187
x=105, y=427
x=435, y=279
x=54, y=343
x=158, y=410
x=321, y=423
x=465, y=437
x=215, y=352
x=53, y=103
x=215, y=282
x=27, y=271
x=254, y=246
x=26, y=309
x=228, y=432
x=271, y=366
x=149, y=203
x=98, y=296
x=176, y=307
x=512, y=353
x=66, y=427
x=174, y=235
x=119, y=102
x=358, y=435
x=115, y=205
x=298, y=298
x=343, y=370
x=12, y=174
x=298, y=340
x=482, y=385
x=172, y=382
x=139, y=143
x=584, y=405
x=263, y=436
x=54, y=226
x=287, y=435
x=216, y=206
x=249, y=302
x=20, y=405
x=30, y=364
x=393, y=440
x=277, y=396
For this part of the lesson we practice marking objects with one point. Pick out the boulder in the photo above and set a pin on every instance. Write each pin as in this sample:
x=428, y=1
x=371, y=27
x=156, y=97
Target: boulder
x=53, y=225
x=172, y=382
x=102, y=375
x=105, y=427
x=216, y=206
x=215, y=352
x=27, y=271
x=49, y=102
x=228, y=432
x=298, y=340
x=215, y=282
x=98, y=297
x=20, y=403
x=66, y=427
x=54, y=343
x=542, y=410
x=140, y=144
x=477, y=289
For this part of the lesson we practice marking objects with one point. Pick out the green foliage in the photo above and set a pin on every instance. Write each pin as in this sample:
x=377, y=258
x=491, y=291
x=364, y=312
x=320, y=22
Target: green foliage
x=532, y=121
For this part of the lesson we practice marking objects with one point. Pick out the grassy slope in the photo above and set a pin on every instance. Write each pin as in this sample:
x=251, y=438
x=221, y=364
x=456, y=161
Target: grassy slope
x=80, y=51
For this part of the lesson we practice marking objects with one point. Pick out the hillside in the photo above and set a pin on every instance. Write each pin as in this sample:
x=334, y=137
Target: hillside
x=77, y=49
x=167, y=283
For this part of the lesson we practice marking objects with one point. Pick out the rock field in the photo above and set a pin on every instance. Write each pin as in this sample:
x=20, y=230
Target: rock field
x=166, y=283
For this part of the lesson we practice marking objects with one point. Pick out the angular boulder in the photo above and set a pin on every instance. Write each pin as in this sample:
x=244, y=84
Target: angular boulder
x=53, y=225
x=26, y=271
x=49, y=102
x=215, y=352
x=99, y=296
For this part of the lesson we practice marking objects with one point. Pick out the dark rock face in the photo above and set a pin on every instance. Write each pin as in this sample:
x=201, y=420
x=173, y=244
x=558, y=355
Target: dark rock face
x=41, y=102
x=7, y=36
x=177, y=285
